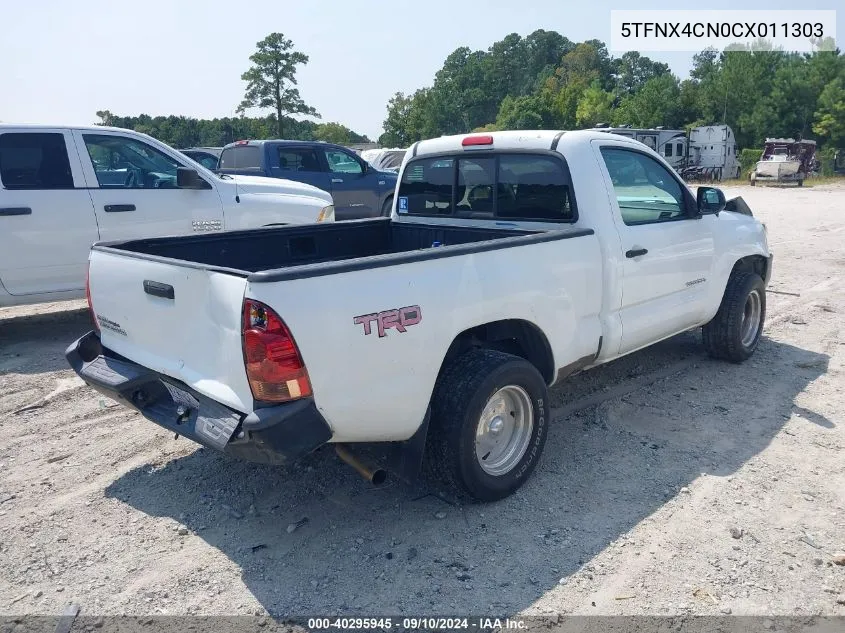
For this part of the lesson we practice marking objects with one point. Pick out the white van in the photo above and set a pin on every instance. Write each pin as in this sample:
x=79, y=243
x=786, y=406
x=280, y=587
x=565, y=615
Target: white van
x=62, y=189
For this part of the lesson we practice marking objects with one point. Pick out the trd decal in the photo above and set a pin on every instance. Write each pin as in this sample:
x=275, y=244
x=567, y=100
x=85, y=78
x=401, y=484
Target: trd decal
x=399, y=319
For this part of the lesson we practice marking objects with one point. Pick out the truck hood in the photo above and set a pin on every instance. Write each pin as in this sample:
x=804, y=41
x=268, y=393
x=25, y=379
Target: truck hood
x=262, y=184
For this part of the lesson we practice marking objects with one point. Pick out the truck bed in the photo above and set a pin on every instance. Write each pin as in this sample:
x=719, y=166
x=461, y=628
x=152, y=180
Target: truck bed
x=275, y=254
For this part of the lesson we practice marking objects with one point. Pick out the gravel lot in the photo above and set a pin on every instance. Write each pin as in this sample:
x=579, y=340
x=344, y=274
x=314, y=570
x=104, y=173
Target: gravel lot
x=670, y=484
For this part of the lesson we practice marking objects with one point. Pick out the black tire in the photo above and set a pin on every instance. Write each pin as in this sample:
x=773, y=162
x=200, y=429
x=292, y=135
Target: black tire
x=800, y=183
x=723, y=336
x=387, y=207
x=461, y=394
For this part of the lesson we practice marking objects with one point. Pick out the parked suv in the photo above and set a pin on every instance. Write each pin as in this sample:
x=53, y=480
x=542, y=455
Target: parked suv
x=359, y=190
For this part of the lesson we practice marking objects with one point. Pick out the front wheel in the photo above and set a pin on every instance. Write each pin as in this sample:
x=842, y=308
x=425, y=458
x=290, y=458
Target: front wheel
x=489, y=424
x=735, y=331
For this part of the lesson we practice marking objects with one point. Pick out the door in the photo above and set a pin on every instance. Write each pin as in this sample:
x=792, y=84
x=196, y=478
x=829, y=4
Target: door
x=134, y=189
x=299, y=163
x=668, y=250
x=47, y=222
x=355, y=187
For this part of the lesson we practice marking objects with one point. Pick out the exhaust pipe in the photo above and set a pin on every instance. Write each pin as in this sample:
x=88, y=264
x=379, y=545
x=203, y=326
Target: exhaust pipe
x=375, y=476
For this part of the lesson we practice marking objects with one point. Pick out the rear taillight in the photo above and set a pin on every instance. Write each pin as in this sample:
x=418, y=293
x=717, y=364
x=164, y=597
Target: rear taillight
x=274, y=366
x=88, y=297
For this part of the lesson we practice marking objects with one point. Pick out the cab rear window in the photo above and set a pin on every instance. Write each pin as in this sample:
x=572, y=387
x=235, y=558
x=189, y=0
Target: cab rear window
x=524, y=187
x=241, y=157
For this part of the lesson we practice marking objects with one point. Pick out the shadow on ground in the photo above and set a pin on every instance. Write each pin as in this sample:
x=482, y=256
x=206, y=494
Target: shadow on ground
x=384, y=550
x=35, y=344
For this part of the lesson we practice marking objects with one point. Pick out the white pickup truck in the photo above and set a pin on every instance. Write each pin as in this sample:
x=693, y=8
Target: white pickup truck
x=62, y=189
x=511, y=260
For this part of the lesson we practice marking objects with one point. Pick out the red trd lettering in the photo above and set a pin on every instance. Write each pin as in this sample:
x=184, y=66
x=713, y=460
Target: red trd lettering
x=399, y=319
x=387, y=320
x=366, y=319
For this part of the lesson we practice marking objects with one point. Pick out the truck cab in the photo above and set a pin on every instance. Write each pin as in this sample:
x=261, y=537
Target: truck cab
x=359, y=190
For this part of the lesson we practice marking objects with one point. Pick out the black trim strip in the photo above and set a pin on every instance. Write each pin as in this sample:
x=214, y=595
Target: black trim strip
x=182, y=263
x=118, y=208
x=16, y=211
x=556, y=140
x=414, y=149
x=394, y=259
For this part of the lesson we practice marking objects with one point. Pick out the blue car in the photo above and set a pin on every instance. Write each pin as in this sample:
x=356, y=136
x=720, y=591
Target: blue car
x=359, y=190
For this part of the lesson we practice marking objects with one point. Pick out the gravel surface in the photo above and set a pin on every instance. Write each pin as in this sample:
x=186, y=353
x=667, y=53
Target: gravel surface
x=670, y=484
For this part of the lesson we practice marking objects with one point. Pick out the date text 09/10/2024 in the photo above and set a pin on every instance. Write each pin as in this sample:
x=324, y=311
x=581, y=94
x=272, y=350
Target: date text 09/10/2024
x=418, y=623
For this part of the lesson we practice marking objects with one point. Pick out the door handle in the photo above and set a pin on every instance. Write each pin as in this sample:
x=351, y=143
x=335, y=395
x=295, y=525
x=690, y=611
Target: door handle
x=119, y=208
x=16, y=211
x=636, y=252
x=337, y=179
x=158, y=289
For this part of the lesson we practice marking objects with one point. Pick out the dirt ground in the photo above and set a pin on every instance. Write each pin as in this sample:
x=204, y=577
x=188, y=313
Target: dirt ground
x=670, y=484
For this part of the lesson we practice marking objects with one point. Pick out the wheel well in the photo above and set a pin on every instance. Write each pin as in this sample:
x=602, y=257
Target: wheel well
x=513, y=336
x=751, y=264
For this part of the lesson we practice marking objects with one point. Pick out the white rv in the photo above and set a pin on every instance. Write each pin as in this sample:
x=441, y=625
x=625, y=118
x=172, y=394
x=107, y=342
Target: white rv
x=713, y=152
x=670, y=144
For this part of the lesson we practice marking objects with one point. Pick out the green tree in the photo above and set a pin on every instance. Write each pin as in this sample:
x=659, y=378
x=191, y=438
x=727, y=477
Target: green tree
x=830, y=116
x=333, y=133
x=632, y=70
x=594, y=106
x=272, y=77
x=521, y=113
x=656, y=103
x=106, y=117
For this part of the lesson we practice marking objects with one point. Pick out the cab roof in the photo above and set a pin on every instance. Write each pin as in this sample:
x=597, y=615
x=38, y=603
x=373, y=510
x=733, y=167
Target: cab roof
x=510, y=140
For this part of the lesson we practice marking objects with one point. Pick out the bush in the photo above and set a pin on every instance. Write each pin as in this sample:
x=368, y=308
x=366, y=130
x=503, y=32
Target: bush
x=748, y=160
x=825, y=157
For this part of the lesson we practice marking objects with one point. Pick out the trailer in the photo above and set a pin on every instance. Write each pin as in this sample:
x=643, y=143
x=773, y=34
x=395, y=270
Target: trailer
x=713, y=154
x=786, y=160
x=670, y=144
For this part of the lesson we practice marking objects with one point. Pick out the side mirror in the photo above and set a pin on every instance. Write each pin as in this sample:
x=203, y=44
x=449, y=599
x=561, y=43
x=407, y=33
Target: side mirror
x=187, y=178
x=710, y=200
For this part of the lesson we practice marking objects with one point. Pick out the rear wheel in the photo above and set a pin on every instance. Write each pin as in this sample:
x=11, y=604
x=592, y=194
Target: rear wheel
x=387, y=207
x=489, y=424
x=734, y=332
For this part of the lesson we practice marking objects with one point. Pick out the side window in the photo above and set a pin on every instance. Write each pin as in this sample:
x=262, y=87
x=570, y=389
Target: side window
x=342, y=163
x=667, y=150
x=208, y=161
x=645, y=190
x=34, y=161
x=680, y=148
x=533, y=188
x=427, y=186
x=298, y=159
x=124, y=163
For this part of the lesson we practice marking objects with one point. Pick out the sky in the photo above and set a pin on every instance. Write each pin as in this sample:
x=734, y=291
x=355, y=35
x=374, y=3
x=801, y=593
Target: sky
x=62, y=61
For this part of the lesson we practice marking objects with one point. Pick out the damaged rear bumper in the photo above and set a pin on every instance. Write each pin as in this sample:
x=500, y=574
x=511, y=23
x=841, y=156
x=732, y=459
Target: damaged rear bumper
x=271, y=435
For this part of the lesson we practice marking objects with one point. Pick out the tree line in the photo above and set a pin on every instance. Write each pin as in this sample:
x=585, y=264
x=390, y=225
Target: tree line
x=271, y=84
x=182, y=131
x=546, y=81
